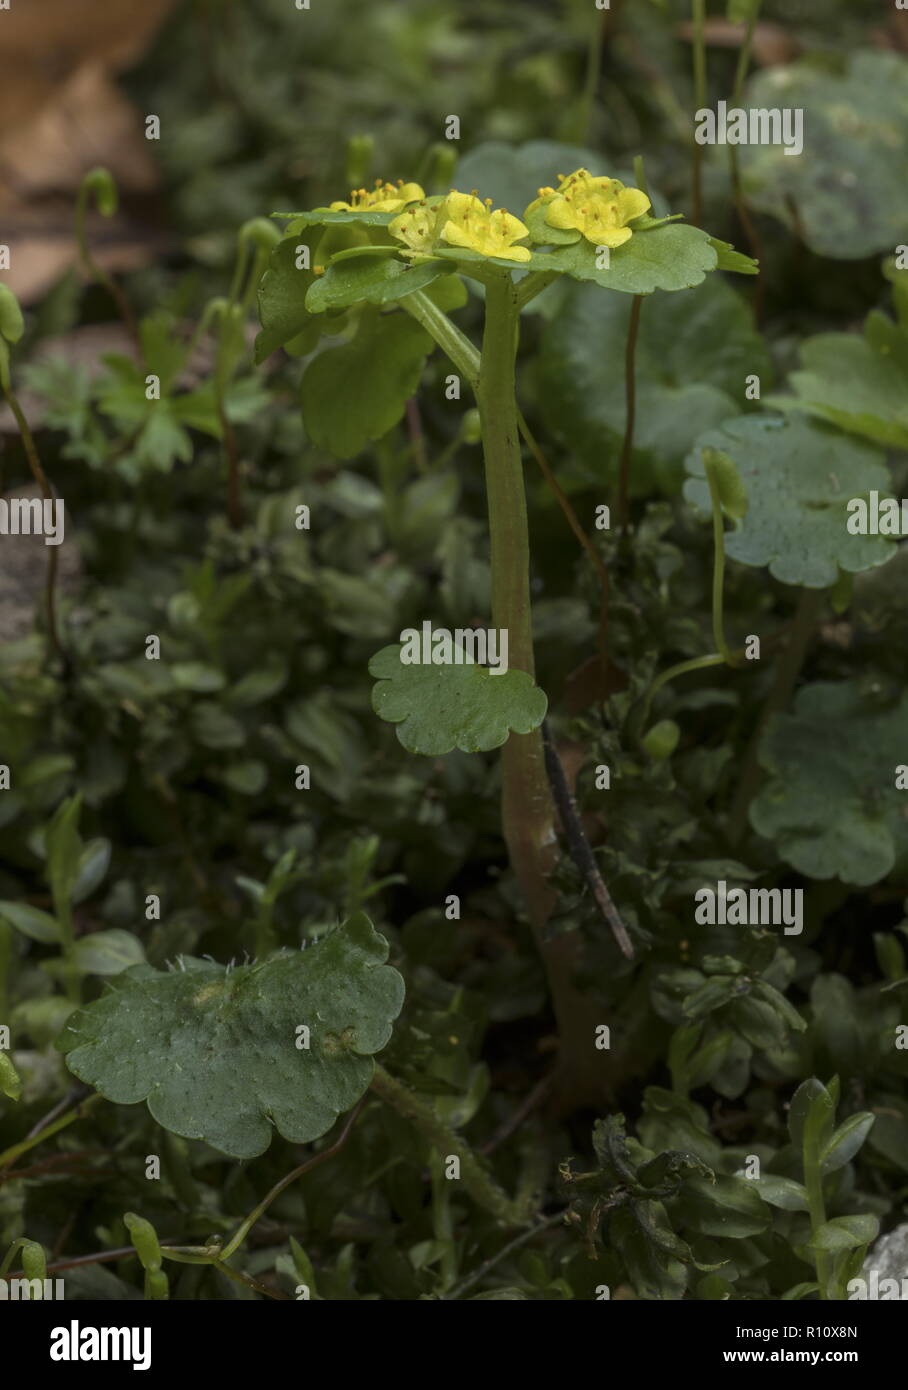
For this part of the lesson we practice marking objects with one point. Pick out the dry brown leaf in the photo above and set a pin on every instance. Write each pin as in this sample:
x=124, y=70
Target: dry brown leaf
x=61, y=114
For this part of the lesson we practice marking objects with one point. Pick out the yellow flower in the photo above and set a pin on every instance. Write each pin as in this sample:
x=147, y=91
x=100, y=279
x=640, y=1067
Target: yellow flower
x=473, y=225
x=418, y=227
x=384, y=197
x=598, y=208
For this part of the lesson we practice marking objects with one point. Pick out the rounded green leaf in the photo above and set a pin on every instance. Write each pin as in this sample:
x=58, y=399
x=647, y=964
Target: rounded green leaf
x=667, y=257
x=843, y=190
x=357, y=392
x=439, y=708
x=859, y=383
x=694, y=353
x=215, y=1051
x=830, y=804
x=799, y=478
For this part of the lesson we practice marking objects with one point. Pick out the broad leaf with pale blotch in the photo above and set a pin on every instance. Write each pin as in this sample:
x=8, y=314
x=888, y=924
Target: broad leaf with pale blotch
x=214, y=1051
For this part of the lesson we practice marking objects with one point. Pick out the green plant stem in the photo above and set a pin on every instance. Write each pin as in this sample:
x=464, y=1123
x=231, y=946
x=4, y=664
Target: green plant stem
x=573, y=521
x=785, y=678
x=442, y=1219
x=480, y=1184
x=598, y=21
x=533, y=284
x=755, y=244
x=724, y=656
x=246, y=1226
x=10, y=1155
x=528, y=813
x=40, y=477
x=813, y=1181
x=718, y=569
x=512, y=1246
x=447, y=335
x=630, y=403
x=97, y=273
x=698, y=15
x=696, y=663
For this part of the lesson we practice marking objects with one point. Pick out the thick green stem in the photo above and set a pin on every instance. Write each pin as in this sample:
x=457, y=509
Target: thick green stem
x=528, y=810
x=528, y=813
x=480, y=1184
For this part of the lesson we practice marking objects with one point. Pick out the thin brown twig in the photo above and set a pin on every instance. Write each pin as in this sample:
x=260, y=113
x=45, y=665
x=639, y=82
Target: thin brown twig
x=574, y=523
x=47, y=492
x=519, y=1114
x=472, y=1279
x=579, y=845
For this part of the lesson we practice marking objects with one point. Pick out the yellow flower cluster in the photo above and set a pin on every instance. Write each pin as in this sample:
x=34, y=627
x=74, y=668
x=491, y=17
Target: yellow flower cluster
x=598, y=208
x=384, y=197
x=462, y=219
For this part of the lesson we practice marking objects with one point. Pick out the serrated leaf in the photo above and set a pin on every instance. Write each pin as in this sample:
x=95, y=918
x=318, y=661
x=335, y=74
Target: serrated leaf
x=439, y=708
x=840, y=191
x=694, y=352
x=831, y=805
x=727, y=258
x=357, y=392
x=214, y=1051
x=798, y=477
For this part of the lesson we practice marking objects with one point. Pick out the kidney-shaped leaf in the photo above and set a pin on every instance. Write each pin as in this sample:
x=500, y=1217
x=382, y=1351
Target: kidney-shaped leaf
x=831, y=804
x=222, y=1054
x=439, y=708
x=357, y=392
x=668, y=257
x=844, y=190
x=694, y=353
x=859, y=383
x=799, y=478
